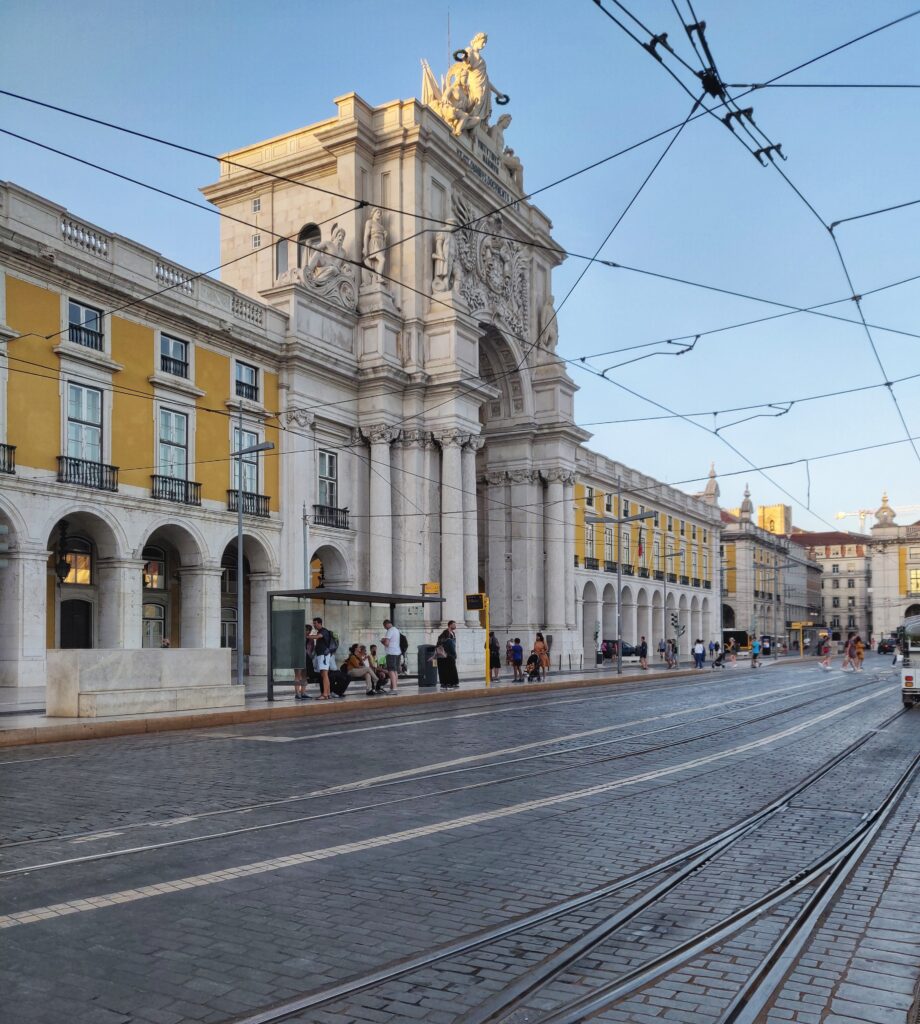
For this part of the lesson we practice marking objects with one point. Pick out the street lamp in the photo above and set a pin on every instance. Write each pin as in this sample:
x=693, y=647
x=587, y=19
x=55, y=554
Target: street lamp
x=618, y=521
x=266, y=446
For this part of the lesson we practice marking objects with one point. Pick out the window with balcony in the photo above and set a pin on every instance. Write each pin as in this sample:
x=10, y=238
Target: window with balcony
x=624, y=547
x=173, y=356
x=247, y=382
x=851, y=621
x=589, y=541
x=589, y=497
x=670, y=524
x=84, y=423
x=608, y=502
x=246, y=439
x=851, y=602
x=835, y=622
x=608, y=546
x=172, y=445
x=84, y=325
x=328, y=490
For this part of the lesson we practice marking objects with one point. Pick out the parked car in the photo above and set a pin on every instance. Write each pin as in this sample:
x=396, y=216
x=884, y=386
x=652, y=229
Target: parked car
x=629, y=650
x=887, y=645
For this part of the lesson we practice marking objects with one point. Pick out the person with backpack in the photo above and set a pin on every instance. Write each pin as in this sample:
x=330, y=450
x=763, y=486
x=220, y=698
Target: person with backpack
x=755, y=652
x=495, y=658
x=391, y=646
x=446, y=656
x=324, y=646
x=403, y=654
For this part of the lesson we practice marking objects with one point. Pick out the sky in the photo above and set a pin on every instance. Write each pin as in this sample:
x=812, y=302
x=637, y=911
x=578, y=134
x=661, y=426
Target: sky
x=216, y=76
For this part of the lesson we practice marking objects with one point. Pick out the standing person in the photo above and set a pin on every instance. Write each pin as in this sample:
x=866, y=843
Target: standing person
x=301, y=674
x=699, y=653
x=517, y=659
x=661, y=646
x=712, y=649
x=849, y=654
x=643, y=653
x=732, y=651
x=495, y=658
x=390, y=642
x=859, y=649
x=542, y=652
x=755, y=652
x=719, y=660
x=509, y=657
x=322, y=656
x=825, y=661
x=446, y=654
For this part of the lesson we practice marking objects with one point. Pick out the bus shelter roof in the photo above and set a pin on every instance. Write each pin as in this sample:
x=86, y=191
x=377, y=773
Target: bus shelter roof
x=359, y=596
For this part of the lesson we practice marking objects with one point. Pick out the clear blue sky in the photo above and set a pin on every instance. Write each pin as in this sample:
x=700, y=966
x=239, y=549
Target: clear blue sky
x=221, y=75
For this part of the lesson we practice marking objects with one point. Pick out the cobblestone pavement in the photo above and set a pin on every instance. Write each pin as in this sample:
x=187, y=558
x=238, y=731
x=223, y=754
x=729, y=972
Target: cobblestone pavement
x=205, y=876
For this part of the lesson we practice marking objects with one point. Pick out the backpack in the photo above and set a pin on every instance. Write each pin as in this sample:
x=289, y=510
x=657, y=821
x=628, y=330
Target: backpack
x=333, y=643
x=403, y=643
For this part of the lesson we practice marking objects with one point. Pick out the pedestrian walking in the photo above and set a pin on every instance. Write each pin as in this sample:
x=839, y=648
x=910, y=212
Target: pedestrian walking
x=303, y=672
x=755, y=652
x=393, y=651
x=699, y=653
x=712, y=649
x=542, y=652
x=859, y=649
x=825, y=661
x=661, y=649
x=495, y=658
x=643, y=653
x=849, y=655
x=446, y=655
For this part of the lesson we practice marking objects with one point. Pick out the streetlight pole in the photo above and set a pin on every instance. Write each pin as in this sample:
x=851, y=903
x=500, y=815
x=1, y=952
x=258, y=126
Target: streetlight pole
x=666, y=556
x=591, y=520
x=266, y=446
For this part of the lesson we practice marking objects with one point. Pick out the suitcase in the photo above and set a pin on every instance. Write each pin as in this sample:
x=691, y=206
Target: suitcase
x=338, y=682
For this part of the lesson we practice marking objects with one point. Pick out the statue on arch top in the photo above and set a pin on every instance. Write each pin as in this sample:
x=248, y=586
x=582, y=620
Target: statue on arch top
x=464, y=95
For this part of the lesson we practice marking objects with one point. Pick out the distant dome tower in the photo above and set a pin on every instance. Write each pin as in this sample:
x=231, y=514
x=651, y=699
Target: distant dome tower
x=885, y=514
x=711, y=492
x=747, y=506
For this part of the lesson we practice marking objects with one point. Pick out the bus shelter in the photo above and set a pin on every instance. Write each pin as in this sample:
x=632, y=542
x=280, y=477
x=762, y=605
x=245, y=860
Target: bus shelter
x=353, y=616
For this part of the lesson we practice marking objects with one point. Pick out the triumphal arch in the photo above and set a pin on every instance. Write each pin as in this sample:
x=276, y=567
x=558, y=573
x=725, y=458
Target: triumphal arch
x=428, y=424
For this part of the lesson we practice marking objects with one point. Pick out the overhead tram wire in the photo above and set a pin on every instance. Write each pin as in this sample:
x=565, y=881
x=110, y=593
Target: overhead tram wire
x=753, y=86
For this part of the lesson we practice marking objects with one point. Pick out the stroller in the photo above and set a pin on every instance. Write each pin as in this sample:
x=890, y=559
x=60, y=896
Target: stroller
x=533, y=667
x=719, y=661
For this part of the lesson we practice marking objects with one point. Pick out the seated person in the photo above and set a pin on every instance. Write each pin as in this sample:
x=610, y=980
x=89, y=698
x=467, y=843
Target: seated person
x=379, y=666
x=533, y=667
x=357, y=667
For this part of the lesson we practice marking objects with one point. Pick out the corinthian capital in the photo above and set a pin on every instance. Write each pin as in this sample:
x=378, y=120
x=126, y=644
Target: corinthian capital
x=379, y=433
x=299, y=418
x=475, y=442
x=523, y=476
x=452, y=438
x=415, y=438
x=495, y=479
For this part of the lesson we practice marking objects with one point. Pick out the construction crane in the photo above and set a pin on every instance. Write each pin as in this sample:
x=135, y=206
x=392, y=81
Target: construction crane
x=864, y=513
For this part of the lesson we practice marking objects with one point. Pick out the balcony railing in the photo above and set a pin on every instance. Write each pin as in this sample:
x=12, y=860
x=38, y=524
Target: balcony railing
x=685, y=580
x=171, y=488
x=627, y=569
x=659, y=574
x=576, y=561
x=248, y=391
x=643, y=572
x=87, y=474
x=707, y=584
x=7, y=458
x=253, y=504
x=85, y=337
x=176, y=367
x=610, y=566
x=592, y=563
x=329, y=515
x=695, y=582
x=672, y=577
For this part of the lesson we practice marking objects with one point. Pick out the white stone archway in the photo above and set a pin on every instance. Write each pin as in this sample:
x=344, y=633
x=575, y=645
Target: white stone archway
x=643, y=617
x=628, y=623
x=181, y=593
x=657, y=628
x=609, y=626
x=683, y=613
x=591, y=623
x=696, y=622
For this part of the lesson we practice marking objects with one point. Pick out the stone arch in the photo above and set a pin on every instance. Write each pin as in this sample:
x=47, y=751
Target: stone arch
x=172, y=556
x=106, y=532
x=309, y=236
x=503, y=366
x=628, y=615
x=643, y=617
x=609, y=616
x=696, y=625
x=913, y=609
x=185, y=537
x=329, y=566
x=683, y=618
x=657, y=626
x=590, y=621
x=728, y=617
x=706, y=618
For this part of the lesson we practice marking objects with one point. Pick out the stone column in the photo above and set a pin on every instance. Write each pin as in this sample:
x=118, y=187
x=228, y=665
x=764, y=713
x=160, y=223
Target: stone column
x=260, y=583
x=497, y=581
x=555, y=563
x=380, y=522
x=412, y=527
x=451, y=442
x=526, y=554
x=298, y=490
x=23, y=618
x=568, y=498
x=200, y=626
x=470, y=525
x=120, y=584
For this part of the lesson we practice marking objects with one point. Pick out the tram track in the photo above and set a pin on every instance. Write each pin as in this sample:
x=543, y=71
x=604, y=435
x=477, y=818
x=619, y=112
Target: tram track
x=378, y=784
x=381, y=780
x=499, y=1008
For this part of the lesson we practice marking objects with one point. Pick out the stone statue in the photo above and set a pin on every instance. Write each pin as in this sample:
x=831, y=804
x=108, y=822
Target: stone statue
x=443, y=259
x=514, y=167
x=464, y=96
x=329, y=271
x=549, y=329
x=375, y=243
x=497, y=131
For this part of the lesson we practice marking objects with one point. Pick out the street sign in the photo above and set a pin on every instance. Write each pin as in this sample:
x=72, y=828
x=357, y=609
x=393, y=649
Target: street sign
x=475, y=602
x=431, y=589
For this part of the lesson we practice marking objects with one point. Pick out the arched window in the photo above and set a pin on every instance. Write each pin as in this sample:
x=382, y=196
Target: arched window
x=79, y=556
x=154, y=568
x=309, y=236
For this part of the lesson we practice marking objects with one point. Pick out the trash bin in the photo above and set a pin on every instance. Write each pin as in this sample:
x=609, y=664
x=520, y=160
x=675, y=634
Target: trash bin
x=600, y=657
x=427, y=669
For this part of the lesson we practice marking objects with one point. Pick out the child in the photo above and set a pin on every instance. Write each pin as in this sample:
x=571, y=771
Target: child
x=533, y=667
x=517, y=659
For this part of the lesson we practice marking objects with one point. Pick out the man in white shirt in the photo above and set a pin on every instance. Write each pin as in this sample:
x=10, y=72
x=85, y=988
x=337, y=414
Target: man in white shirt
x=390, y=641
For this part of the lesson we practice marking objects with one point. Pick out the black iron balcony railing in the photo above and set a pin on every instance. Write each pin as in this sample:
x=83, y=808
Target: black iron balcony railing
x=576, y=561
x=610, y=566
x=685, y=580
x=7, y=458
x=85, y=337
x=695, y=582
x=87, y=474
x=643, y=572
x=253, y=504
x=592, y=563
x=329, y=515
x=172, y=488
x=627, y=569
x=707, y=584
x=672, y=577
x=659, y=574
x=247, y=391
x=176, y=367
